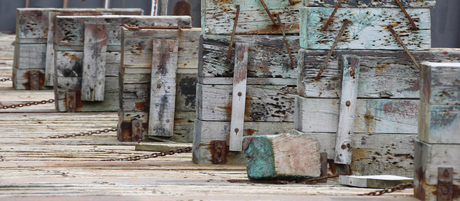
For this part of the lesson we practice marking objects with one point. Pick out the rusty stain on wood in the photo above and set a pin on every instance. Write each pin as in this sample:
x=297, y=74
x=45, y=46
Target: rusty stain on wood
x=27, y=85
x=414, y=27
x=285, y=39
x=182, y=7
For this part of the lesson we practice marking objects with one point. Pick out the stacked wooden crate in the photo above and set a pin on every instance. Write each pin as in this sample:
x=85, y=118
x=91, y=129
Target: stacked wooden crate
x=34, y=53
x=363, y=106
x=88, y=58
x=265, y=75
x=437, y=166
x=158, y=75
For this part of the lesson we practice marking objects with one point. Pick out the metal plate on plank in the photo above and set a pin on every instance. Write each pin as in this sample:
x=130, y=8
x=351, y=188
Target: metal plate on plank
x=34, y=80
x=136, y=126
x=219, y=155
x=71, y=102
x=445, y=183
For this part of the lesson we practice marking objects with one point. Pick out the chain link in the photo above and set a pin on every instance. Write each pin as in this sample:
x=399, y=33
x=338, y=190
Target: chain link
x=389, y=189
x=27, y=104
x=6, y=79
x=88, y=133
x=153, y=155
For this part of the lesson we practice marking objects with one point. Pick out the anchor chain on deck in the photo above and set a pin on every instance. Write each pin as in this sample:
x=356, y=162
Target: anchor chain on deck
x=6, y=79
x=27, y=104
x=88, y=133
x=389, y=189
x=153, y=155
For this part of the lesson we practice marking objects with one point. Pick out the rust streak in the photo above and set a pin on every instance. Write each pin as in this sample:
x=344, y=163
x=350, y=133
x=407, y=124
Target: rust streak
x=229, y=53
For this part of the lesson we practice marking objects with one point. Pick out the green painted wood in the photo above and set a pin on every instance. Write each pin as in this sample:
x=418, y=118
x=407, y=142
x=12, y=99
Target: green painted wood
x=283, y=157
x=218, y=17
x=440, y=83
x=371, y=3
x=368, y=30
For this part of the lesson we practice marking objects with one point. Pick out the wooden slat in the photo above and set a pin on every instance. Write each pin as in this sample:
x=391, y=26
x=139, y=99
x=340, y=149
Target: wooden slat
x=163, y=87
x=93, y=78
x=348, y=103
x=440, y=83
x=366, y=22
x=49, y=65
x=239, y=96
x=439, y=123
x=70, y=64
x=371, y=4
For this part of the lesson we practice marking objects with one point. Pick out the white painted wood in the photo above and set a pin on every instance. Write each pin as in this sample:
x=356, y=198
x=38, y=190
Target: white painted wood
x=348, y=102
x=439, y=123
x=163, y=87
x=239, y=96
x=440, y=83
x=94, y=60
x=373, y=181
x=370, y=4
x=49, y=66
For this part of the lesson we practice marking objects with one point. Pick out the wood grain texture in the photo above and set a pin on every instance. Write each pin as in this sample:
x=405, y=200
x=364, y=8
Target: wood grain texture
x=440, y=83
x=347, y=108
x=217, y=17
x=373, y=154
x=439, y=123
x=284, y=157
x=370, y=3
x=274, y=103
x=268, y=57
x=30, y=56
x=239, y=99
x=383, y=74
x=70, y=64
x=368, y=30
x=163, y=87
x=428, y=157
x=315, y=115
x=95, y=46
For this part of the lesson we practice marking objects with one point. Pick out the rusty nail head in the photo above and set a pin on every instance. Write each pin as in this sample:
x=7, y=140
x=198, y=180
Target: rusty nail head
x=137, y=124
x=236, y=130
x=344, y=146
x=445, y=173
x=348, y=103
x=240, y=94
x=158, y=86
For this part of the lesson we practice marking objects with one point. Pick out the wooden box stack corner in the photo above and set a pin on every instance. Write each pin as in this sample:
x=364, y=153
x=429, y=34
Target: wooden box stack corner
x=34, y=47
x=281, y=157
x=246, y=75
x=436, y=166
x=158, y=76
x=358, y=80
x=89, y=83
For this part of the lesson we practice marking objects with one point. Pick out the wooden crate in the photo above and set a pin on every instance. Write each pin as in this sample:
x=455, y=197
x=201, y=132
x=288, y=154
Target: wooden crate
x=368, y=29
x=269, y=104
x=70, y=62
x=135, y=81
x=218, y=16
x=34, y=41
x=371, y=3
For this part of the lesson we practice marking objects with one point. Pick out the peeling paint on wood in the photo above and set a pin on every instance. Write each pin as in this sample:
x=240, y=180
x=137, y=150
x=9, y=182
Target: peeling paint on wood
x=440, y=83
x=371, y=3
x=368, y=30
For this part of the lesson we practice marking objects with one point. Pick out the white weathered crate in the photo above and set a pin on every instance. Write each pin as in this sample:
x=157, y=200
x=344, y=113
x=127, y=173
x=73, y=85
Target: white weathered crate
x=371, y=3
x=34, y=41
x=135, y=82
x=69, y=57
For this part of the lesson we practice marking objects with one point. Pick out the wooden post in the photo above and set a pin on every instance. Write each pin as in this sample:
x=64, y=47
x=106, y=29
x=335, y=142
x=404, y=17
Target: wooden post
x=238, y=96
x=49, y=65
x=163, y=87
x=164, y=7
x=348, y=97
x=95, y=46
x=64, y=4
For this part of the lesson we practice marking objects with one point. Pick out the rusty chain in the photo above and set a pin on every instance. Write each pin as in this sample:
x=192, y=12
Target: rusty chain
x=6, y=79
x=153, y=155
x=27, y=104
x=389, y=189
x=88, y=133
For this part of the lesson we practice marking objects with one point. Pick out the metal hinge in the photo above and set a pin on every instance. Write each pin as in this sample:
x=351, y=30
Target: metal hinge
x=136, y=126
x=71, y=102
x=34, y=79
x=219, y=155
x=445, y=183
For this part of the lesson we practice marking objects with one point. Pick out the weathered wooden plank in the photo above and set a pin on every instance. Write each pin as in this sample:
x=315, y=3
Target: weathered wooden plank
x=347, y=109
x=273, y=103
x=373, y=154
x=439, y=123
x=163, y=87
x=239, y=100
x=137, y=46
x=70, y=29
x=31, y=56
x=268, y=56
x=373, y=181
x=217, y=17
x=285, y=157
x=428, y=157
x=370, y=3
x=315, y=115
x=440, y=83
x=207, y=132
x=368, y=30
x=250, y=81
x=70, y=64
x=93, y=78
x=383, y=74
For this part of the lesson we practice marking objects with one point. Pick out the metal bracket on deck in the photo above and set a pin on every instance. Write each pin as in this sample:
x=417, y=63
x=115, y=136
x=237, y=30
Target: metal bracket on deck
x=219, y=154
x=71, y=101
x=34, y=80
x=136, y=126
x=445, y=183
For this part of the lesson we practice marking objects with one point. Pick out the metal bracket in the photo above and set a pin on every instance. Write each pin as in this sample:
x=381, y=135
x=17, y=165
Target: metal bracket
x=219, y=155
x=71, y=101
x=34, y=79
x=136, y=126
x=445, y=183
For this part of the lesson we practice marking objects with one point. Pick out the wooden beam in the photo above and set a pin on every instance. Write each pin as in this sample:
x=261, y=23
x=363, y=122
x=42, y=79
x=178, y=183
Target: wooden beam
x=239, y=96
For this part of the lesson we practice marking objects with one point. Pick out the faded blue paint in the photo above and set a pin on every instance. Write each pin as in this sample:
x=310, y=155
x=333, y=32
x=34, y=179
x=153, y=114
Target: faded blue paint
x=259, y=155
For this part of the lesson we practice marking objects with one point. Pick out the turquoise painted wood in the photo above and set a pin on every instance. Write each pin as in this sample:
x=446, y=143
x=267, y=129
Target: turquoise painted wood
x=371, y=3
x=284, y=157
x=218, y=16
x=440, y=83
x=368, y=30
